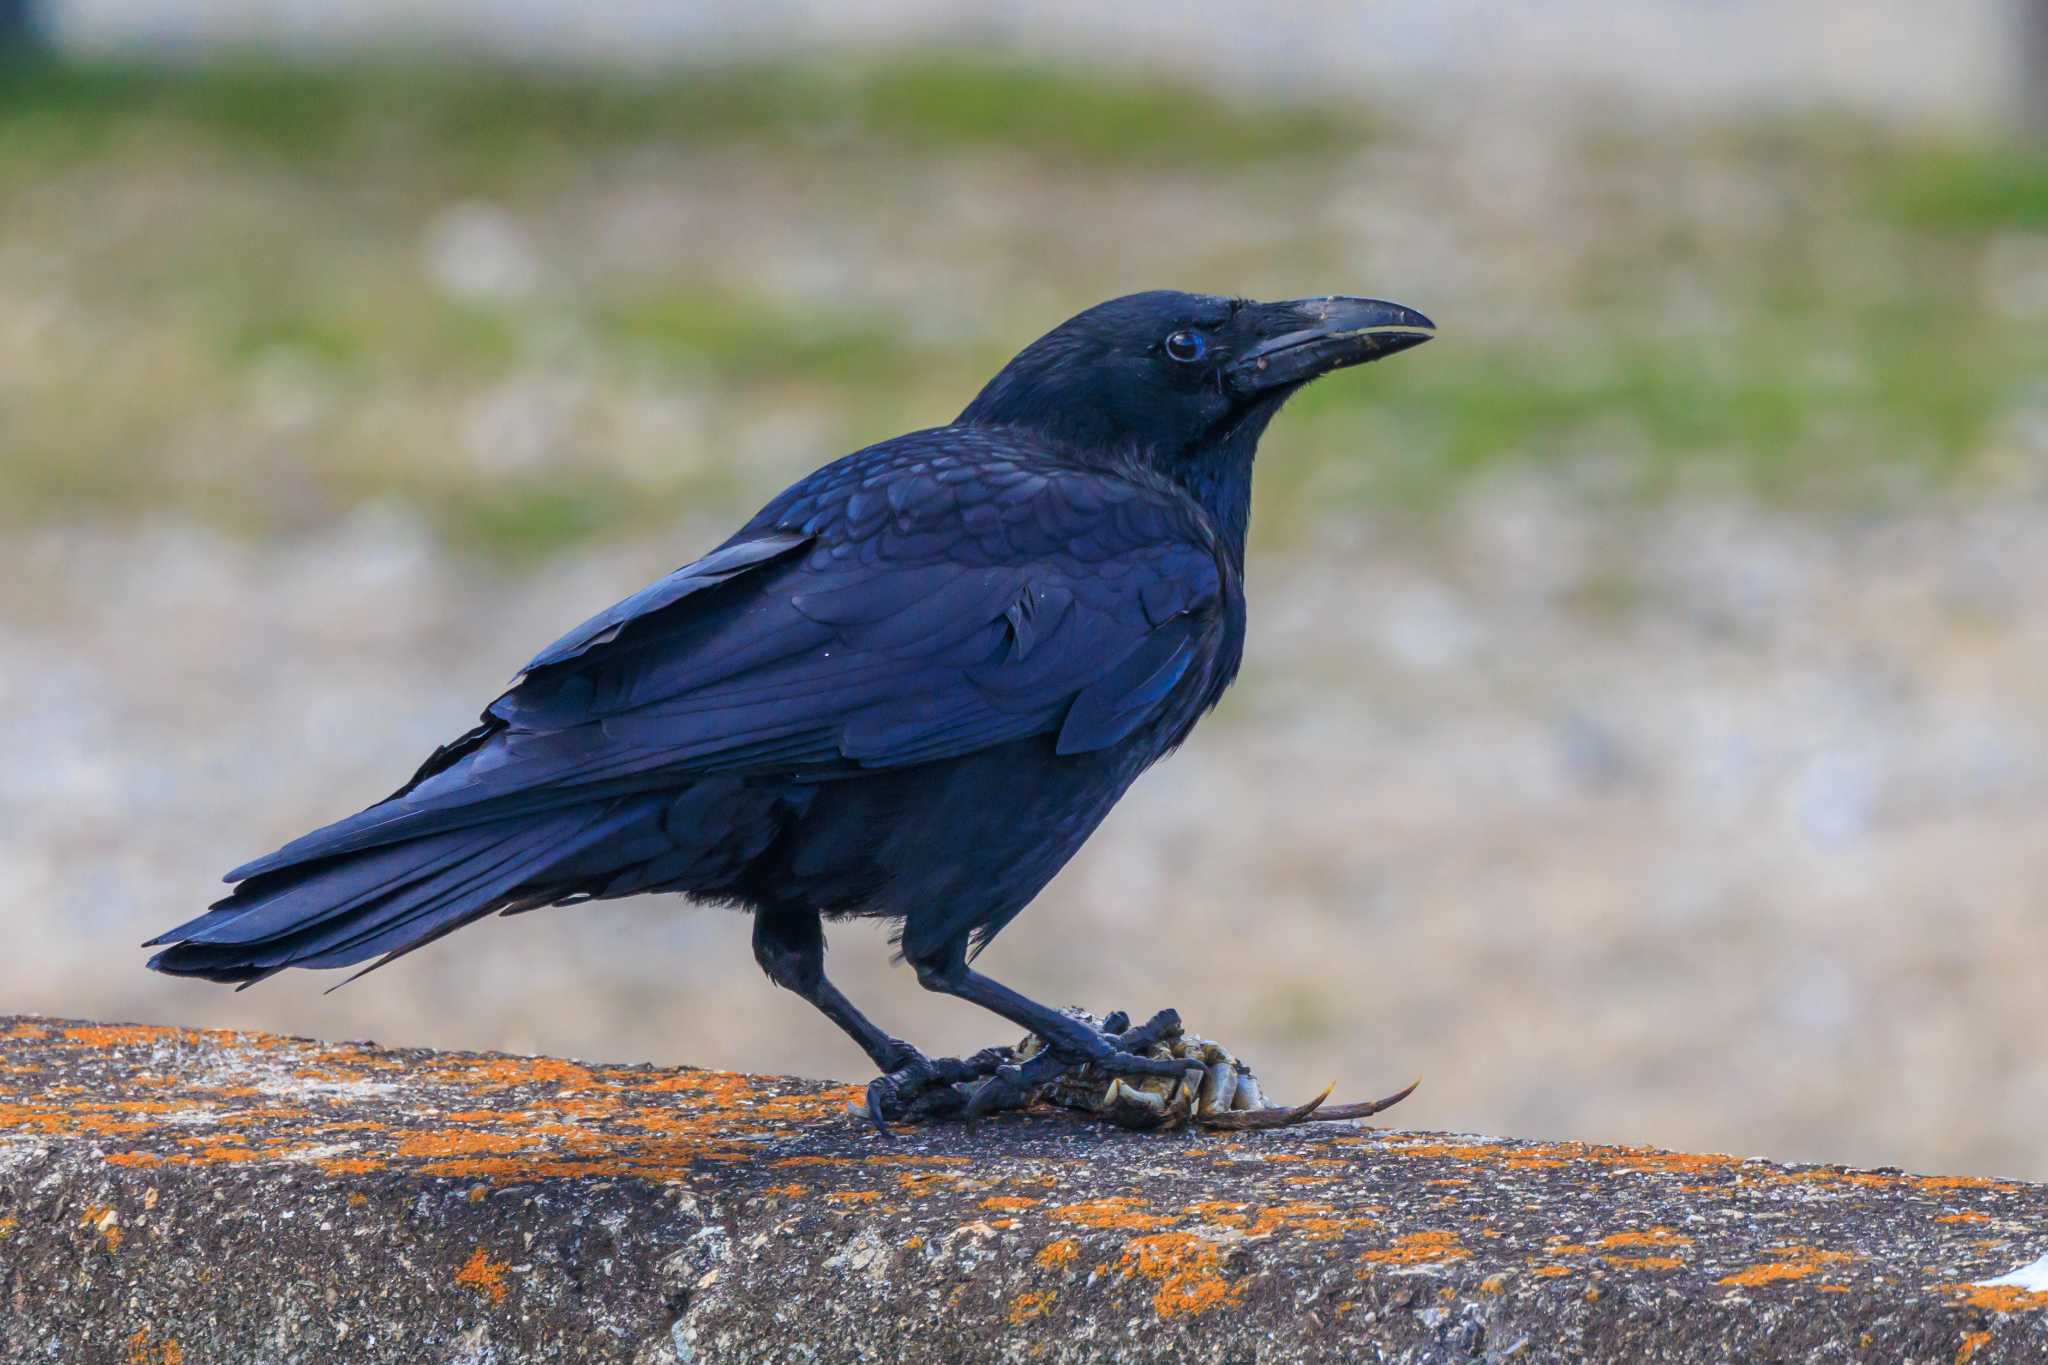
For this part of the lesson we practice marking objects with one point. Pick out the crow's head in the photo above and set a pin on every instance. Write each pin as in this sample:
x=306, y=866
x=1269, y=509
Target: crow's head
x=1186, y=381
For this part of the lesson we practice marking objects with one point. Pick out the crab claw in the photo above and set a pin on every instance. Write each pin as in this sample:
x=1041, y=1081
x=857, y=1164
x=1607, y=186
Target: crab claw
x=1312, y=1112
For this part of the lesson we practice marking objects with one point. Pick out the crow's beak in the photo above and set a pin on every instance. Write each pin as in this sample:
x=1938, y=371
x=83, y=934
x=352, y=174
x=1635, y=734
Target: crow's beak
x=1312, y=337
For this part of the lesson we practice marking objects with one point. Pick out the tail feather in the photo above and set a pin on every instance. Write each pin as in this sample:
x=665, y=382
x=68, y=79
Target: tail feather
x=384, y=901
x=298, y=898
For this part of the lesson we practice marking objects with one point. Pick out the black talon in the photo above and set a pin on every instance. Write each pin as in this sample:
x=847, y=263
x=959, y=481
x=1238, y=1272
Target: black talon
x=1007, y=1088
x=1156, y=1030
x=879, y=1095
x=925, y=1088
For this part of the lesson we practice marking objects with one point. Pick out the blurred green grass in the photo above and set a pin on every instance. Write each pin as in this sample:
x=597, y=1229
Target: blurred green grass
x=480, y=120
x=238, y=294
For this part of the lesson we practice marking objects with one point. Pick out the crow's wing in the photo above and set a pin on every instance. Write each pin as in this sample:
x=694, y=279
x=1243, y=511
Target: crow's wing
x=918, y=601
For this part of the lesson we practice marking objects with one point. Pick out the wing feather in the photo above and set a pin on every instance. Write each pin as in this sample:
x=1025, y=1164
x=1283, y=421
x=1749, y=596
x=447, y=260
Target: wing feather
x=870, y=618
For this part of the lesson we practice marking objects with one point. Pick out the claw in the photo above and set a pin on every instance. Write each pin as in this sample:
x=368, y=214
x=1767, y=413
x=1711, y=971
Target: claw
x=1270, y=1118
x=1119, y=1093
x=1128, y=1106
x=880, y=1098
x=1370, y=1107
x=1007, y=1087
x=1312, y=1112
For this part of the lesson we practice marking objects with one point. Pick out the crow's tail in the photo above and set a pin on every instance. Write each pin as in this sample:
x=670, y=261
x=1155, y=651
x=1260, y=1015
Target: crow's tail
x=384, y=901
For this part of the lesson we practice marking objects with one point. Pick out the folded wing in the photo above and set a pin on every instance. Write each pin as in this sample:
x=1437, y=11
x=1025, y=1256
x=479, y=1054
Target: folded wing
x=895, y=618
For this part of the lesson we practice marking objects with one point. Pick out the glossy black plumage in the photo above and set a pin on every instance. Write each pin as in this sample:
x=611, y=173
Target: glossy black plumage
x=911, y=686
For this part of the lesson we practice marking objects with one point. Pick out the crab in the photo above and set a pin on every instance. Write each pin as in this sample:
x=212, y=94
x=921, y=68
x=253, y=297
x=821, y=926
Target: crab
x=1190, y=1081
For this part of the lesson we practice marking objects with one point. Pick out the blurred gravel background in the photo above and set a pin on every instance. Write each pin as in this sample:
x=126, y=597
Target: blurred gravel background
x=1643, y=735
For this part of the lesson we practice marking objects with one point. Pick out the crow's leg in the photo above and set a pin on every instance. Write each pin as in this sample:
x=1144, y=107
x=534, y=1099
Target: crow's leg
x=1070, y=1042
x=789, y=943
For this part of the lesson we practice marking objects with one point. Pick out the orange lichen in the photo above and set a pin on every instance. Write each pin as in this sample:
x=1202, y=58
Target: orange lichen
x=144, y=1350
x=132, y=1158
x=518, y=1171
x=691, y=1080
x=854, y=1196
x=1824, y=1175
x=106, y=1222
x=98, y=1123
x=790, y=1191
x=1999, y=1298
x=350, y=1165
x=1972, y=1343
x=1058, y=1255
x=1419, y=1248
x=463, y=1142
x=1549, y=1155
x=1117, y=1211
x=1793, y=1263
x=116, y=1035
x=217, y=1152
x=503, y=1073
x=1313, y=1222
x=1643, y=1262
x=484, y=1275
x=1184, y=1266
x=1009, y=1203
x=1028, y=1305
x=1648, y=1237
x=1551, y=1271
x=586, y=1106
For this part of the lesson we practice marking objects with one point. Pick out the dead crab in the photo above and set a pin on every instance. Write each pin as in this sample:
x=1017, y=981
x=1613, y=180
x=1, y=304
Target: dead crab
x=1209, y=1089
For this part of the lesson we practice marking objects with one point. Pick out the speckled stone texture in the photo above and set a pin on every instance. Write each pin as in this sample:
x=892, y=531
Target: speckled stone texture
x=173, y=1197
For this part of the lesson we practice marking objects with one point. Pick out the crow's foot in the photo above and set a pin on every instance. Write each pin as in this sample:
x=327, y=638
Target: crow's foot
x=921, y=1089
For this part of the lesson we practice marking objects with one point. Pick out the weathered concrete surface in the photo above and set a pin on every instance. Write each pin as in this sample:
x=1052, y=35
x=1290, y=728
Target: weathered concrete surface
x=173, y=1197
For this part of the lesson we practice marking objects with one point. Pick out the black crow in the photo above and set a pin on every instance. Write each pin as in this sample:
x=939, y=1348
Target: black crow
x=910, y=687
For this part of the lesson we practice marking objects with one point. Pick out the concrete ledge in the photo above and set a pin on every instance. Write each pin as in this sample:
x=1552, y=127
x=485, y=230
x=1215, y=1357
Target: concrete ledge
x=174, y=1197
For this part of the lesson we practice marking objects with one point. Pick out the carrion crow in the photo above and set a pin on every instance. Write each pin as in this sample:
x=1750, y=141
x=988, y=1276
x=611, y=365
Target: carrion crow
x=910, y=687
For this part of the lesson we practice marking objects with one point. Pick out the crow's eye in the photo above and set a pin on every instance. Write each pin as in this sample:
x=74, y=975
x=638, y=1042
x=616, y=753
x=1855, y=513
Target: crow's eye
x=1185, y=345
